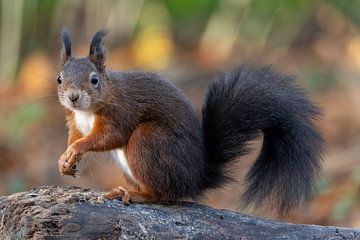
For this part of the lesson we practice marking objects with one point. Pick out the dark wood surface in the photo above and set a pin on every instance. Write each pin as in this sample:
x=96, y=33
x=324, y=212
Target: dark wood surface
x=52, y=212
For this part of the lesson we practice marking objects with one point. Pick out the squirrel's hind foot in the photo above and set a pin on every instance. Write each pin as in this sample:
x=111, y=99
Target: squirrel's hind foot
x=129, y=196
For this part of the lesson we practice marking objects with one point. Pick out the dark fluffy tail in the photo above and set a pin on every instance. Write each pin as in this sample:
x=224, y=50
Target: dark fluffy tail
x=243, y=103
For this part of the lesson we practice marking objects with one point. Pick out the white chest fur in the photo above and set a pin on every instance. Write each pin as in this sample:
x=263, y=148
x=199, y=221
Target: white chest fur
x=120, y=158
x=85, y=123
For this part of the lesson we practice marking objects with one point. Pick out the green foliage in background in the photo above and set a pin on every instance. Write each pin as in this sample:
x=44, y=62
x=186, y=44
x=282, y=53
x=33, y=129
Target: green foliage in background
x=349, y=8
x=189, y=18
x=29, y=25
x=17, y=123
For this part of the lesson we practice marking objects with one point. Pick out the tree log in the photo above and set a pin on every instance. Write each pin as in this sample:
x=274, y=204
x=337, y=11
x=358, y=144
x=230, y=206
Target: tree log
x=75, y=213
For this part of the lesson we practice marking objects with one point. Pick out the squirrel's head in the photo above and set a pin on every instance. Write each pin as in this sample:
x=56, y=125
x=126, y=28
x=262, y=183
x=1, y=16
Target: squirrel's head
x=82, y=82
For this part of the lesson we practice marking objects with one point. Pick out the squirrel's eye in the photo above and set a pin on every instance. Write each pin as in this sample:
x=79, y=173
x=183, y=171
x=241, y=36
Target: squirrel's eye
x=59, y=79
x=94, y=80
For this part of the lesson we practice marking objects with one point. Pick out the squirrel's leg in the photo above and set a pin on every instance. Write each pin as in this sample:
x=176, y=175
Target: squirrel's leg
x=142, y=159
x=145, y=162
x=130, y=196
x=101, y=138
x=74, y=135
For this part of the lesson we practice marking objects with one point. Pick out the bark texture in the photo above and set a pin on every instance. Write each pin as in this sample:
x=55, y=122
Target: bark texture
x=52, y=212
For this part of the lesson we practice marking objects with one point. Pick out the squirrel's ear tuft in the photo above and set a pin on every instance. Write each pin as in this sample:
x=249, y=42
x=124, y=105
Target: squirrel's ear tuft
x=66, y=49
x=97, y=51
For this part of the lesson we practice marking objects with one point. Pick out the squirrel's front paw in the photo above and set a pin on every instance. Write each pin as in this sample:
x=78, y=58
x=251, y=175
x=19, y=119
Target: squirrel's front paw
x=68, y=160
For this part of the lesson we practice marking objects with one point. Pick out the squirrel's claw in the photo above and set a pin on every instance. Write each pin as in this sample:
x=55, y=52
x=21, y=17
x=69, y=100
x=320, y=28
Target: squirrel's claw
x=68, y=160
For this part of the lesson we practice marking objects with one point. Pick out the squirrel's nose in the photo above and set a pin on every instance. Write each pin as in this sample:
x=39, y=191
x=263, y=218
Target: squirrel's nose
x=73, y=95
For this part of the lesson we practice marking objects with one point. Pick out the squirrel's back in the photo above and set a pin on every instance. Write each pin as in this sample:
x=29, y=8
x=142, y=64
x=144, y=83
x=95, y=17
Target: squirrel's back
x=153, y=97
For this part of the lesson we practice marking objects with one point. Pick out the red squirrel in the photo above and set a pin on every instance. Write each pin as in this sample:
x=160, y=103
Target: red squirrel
x=163, y=148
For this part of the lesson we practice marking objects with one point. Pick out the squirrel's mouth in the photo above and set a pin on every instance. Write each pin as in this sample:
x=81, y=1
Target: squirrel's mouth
x=73, y=105
x=80, y=102
x=76, y=106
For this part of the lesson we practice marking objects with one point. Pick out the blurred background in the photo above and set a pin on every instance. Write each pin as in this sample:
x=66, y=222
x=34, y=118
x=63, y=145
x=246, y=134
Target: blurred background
x=187, y=41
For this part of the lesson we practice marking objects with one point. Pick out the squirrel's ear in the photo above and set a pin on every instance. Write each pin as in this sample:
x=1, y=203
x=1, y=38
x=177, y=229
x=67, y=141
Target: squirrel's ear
x=97, y=51
x=66, y=49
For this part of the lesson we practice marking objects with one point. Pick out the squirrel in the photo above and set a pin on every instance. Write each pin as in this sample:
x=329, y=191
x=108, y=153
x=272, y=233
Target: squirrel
x=168, y=153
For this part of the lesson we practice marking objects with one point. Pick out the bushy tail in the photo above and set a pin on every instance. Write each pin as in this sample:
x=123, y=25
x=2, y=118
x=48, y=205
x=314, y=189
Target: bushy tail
x=243, y=103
